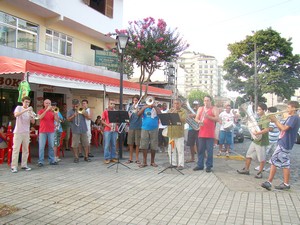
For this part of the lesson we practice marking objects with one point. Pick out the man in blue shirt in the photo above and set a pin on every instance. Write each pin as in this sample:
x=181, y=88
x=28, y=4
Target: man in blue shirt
x=149, y=134
x=286, y=140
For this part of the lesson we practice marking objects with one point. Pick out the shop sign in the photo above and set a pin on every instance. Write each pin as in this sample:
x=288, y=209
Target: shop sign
x=106, y=59
x=9, y=83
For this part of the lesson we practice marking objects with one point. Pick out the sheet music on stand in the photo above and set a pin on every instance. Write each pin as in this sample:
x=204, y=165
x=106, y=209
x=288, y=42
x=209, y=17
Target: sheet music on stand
x=118, y=117
x=170, y=119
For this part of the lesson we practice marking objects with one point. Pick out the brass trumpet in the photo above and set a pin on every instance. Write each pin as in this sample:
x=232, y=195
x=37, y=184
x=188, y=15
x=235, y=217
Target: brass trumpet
x=56, y=110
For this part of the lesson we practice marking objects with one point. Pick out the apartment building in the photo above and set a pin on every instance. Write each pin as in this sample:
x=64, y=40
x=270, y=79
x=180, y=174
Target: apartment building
x=59, y=48
x=199, y=72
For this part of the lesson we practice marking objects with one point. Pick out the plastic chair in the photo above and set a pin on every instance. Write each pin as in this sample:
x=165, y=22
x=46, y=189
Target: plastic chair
x=61, y=143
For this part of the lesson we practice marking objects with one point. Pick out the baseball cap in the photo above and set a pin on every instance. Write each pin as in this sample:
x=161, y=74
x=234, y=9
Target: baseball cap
x=195, y=103
x=75, y=102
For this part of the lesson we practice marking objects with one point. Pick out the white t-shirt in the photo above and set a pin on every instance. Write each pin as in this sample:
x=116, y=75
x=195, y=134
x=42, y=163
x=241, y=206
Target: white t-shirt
x=225, y=118
x=22, y=121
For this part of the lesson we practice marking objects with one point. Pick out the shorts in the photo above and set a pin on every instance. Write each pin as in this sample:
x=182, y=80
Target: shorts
x=80, y=138
x=149, y=138
x=57, y=136
x=134, y=137
x=256, y=151
x=225, y=137
x=281, y=158
x=192, y=137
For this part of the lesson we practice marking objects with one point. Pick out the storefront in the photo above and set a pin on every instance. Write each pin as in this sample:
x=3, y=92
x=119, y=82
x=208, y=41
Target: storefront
x=61, y=85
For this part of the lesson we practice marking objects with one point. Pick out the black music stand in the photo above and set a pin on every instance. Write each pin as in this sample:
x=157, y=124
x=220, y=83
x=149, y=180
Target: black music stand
x=118, y=117
x=170, y=119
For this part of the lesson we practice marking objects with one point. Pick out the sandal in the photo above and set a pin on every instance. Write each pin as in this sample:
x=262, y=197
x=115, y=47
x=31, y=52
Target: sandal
x=129, y=161
x=190, y=161
x=137, y=162
x=143, y=165
x=154, y=165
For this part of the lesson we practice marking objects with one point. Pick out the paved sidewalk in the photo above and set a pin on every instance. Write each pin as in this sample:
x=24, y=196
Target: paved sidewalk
x=91, y=193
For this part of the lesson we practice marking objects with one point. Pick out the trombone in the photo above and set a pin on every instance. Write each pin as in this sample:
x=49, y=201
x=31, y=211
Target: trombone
x=81, y=111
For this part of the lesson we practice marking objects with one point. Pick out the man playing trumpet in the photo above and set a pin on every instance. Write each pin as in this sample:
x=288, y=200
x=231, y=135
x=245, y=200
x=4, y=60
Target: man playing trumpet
x=176, y=136
x=281, y=155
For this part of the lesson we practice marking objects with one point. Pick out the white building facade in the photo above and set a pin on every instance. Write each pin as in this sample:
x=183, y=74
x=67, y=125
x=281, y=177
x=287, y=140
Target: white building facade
x=199, y=72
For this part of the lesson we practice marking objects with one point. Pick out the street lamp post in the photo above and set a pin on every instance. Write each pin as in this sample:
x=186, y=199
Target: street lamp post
x=122, y=42
x=172, y=79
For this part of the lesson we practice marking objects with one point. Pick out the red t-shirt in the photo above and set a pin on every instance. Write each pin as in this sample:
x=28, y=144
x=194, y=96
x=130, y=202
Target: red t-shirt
x=47, y=123
x=106, y=120
x=208, y=128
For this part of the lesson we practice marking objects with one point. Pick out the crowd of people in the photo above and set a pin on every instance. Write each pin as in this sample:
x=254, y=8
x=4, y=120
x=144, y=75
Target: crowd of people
x=210, y=125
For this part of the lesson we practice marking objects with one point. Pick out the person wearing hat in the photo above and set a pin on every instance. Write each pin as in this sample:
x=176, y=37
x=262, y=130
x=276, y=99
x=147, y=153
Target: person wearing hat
x=47, y=117
x=192, y=135
x=79, y=130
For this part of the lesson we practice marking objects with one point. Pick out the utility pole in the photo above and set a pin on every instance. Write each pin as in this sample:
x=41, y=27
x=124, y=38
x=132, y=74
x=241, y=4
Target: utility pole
x=255, y=77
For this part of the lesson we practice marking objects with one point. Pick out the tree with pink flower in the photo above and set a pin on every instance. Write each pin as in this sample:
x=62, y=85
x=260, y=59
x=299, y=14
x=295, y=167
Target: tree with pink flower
x=151, y=44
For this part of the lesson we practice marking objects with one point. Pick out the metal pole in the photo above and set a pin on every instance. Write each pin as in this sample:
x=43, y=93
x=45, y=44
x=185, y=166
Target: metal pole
x=121, y=105
x=255, y=78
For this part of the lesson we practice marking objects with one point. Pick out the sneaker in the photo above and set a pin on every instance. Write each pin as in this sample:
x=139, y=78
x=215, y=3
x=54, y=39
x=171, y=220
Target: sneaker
x=14, y=170
x=219, y=153
x=76, y=160
x=57, y=159
x=40, y=165
x=257, y=168
x=53, y=163
x=227, y=154
x=197, y=168
x=208, y=170
x=80, y=155
x=91, y=155
x=243, y=171
x=267, y=185
x=283, y=186
x=87, y=159
x=26, y=168
x=180, y=167
x=258, y=175
x=107, y=161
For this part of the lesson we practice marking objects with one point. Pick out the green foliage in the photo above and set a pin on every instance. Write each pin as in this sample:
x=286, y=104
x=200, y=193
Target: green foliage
x=197, y=95
x=278, y=70
x=151, y=44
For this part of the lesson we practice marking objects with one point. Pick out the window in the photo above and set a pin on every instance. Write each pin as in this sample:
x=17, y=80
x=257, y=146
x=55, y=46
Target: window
x=58, y=43
x=18, y=33
x=106, y=7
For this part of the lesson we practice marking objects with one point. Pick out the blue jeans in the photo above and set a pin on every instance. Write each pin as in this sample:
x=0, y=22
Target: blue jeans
x=110, y=139
x=205, y=144
x=43, y=137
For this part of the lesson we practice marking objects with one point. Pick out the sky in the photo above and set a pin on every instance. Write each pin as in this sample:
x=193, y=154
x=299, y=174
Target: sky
x=209, y=26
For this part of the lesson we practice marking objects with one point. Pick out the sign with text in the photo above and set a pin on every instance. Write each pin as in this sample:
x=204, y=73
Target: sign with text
x=107, y=59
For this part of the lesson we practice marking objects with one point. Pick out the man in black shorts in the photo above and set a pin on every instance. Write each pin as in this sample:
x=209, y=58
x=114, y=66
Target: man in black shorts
x=193, y=135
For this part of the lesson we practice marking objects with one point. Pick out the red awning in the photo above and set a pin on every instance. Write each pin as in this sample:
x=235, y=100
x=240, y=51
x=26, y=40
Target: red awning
x=15, y=66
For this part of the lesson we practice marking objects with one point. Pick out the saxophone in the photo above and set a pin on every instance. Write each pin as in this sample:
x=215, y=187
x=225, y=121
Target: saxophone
x=191, y=121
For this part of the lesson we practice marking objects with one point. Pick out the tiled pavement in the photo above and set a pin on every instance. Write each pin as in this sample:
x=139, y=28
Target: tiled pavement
x=91, y=193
